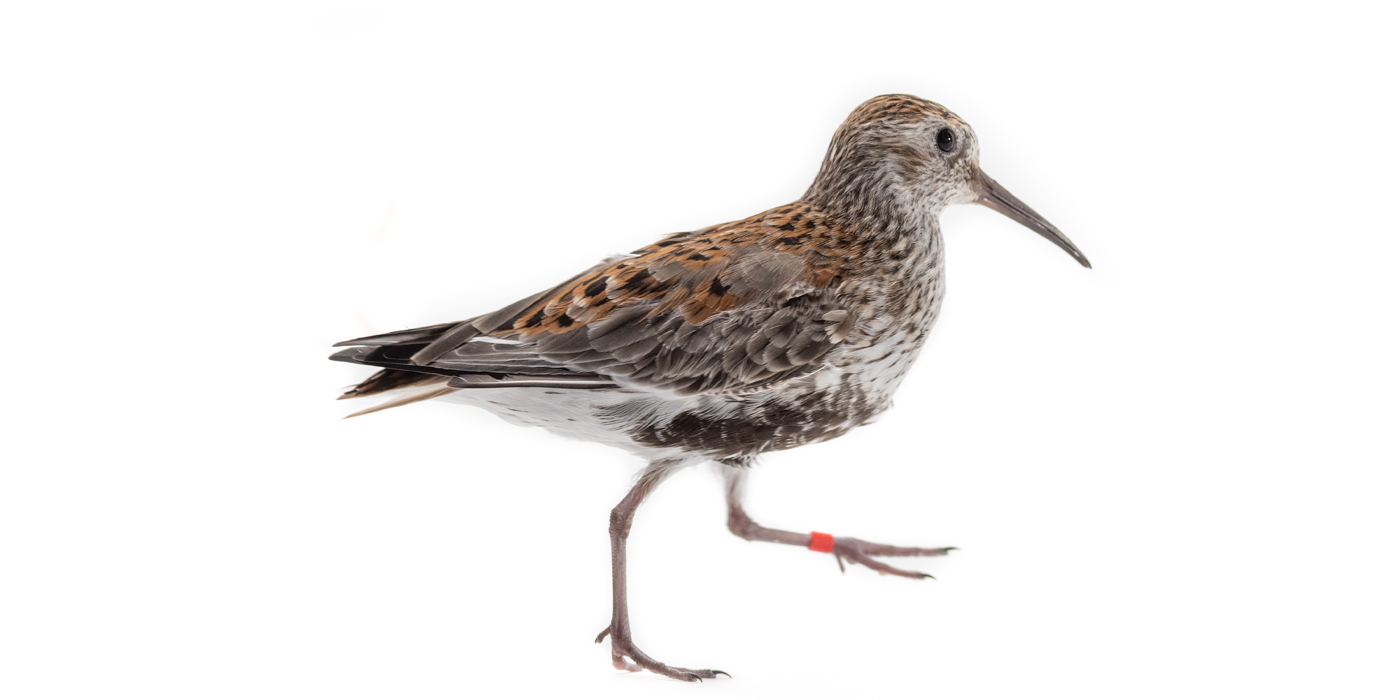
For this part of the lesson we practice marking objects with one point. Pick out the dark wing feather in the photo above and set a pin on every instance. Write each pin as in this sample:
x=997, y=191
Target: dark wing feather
x=726, y=310
x=406, y=355
x=413, y=335
x=738, y=351
x=389, y=380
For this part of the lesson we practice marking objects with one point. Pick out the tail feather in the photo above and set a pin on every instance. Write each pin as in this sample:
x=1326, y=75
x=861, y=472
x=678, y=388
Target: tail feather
x=389, y=380
x=441, y=390
x=406, y=358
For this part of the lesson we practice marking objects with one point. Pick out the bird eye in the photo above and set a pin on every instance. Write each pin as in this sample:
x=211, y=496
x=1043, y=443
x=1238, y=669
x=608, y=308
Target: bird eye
x=947, y=141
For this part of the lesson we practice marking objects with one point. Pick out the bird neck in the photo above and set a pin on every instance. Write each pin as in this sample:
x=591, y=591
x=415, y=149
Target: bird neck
x=896, y=234
x=873, y=198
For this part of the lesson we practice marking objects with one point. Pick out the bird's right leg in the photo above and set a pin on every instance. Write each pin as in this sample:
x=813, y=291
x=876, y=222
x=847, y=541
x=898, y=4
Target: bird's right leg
x=619, y=525
x=736, y=474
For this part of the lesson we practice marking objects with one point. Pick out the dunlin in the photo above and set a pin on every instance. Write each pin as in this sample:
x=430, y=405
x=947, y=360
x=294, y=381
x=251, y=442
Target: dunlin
x=790, y=327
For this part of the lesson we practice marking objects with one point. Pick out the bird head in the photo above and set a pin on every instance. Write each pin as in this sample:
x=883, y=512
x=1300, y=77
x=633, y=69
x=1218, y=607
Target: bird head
x=900, y=157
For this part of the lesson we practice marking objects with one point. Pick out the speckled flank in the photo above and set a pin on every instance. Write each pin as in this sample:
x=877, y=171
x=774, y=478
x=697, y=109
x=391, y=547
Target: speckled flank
x=752, y=425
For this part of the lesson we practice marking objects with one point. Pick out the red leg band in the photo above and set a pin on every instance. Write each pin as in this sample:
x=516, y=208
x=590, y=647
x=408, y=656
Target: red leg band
x=822, y=542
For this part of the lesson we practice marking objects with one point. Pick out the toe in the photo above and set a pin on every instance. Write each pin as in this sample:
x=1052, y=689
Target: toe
x=625, y=665
x=882, y=567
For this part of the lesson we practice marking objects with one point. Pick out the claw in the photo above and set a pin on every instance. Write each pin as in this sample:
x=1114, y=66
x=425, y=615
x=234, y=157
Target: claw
x=603, y=635
x=726, y=675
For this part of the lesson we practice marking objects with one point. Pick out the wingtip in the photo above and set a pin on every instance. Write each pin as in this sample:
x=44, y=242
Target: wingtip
x=342, y=356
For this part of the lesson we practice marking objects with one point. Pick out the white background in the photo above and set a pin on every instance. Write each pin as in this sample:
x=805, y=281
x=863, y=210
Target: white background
x=1173, y=475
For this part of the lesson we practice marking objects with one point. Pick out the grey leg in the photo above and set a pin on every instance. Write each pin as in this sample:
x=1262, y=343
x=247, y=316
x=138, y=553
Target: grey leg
x=619, y=525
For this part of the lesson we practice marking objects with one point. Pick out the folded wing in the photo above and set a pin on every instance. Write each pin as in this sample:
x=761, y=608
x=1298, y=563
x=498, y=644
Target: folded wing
x=725, y=310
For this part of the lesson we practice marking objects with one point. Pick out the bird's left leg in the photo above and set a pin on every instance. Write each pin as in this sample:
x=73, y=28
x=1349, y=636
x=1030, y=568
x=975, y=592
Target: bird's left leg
x=619, y=526
x=736, y=474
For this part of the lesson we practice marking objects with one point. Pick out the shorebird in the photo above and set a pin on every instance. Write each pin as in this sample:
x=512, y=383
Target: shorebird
x=790, y=327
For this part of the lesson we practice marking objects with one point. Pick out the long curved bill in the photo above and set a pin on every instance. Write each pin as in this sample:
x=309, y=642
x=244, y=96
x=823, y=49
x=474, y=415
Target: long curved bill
x=995, y=197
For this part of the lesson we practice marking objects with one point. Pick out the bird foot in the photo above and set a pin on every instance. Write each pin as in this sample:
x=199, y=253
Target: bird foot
x=860, y=552
x=627, y=657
